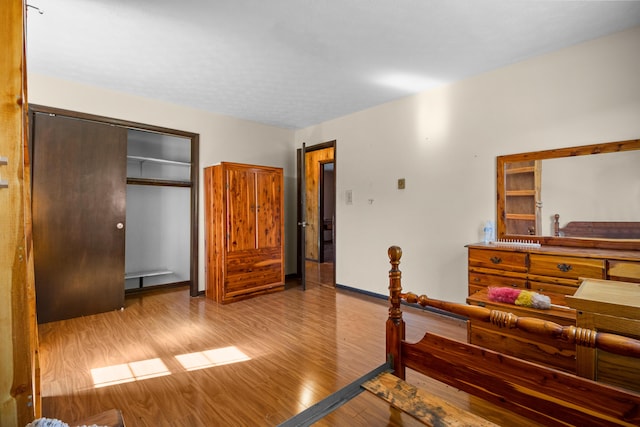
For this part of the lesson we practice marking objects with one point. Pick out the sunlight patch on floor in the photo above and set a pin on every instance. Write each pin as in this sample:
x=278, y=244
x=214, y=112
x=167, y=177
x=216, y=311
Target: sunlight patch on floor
x=128, y=372
x=210, y=358
x=152, y=368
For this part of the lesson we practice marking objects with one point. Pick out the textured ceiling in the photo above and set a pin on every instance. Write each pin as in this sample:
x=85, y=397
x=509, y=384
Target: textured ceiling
x=295, y=63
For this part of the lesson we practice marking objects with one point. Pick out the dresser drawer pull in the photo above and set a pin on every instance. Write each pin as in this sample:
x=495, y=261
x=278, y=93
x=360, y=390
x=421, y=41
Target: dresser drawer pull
x=564, y=267
x=496, y=260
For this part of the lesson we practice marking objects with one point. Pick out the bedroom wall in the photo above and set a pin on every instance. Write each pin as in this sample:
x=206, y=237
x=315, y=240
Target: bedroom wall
x=222, y=138
x=444, y=142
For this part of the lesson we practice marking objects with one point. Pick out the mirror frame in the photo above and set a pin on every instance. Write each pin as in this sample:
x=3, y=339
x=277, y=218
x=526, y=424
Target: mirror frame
x=584, y=150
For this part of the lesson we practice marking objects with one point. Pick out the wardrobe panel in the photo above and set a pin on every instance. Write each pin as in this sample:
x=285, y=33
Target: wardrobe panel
x=269, y=213
x=241, y=205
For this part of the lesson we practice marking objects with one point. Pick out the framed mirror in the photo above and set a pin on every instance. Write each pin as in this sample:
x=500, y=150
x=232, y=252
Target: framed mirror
x=586, y=196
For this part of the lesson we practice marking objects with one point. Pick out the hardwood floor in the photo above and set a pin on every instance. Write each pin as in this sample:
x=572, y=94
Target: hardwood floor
x=320, y=273
x=283, y=353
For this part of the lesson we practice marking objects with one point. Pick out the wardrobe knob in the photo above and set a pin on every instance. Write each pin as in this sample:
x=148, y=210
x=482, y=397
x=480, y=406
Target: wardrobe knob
x=119, y=226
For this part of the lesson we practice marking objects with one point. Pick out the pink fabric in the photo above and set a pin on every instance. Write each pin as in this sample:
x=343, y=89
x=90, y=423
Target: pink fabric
x=506, y=295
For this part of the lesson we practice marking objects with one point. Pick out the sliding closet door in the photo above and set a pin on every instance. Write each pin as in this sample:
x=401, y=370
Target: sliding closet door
x=79, y=188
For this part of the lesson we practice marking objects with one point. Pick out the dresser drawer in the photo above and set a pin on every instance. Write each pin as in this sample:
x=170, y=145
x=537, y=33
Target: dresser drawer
x=555, y=292
x=566, y=267
x=625, y=271
x=503, y=260
x=485, y=280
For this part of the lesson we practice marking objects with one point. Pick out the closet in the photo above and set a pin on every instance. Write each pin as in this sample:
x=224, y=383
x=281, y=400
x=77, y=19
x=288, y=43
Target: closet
x=158, y=192
x=244, y=220
x=114, y=209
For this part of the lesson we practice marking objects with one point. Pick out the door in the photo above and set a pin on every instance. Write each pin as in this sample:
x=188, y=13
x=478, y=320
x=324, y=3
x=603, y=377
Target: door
x=302, y=216
x=79, y=188
x=310, y=266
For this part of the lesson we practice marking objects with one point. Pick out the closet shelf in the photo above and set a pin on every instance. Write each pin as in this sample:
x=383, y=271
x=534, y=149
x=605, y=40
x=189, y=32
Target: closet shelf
x=158, y=182
x=154, y=160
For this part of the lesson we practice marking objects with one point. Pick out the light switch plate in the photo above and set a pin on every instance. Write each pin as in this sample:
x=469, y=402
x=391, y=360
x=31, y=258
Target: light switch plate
x=401, y=184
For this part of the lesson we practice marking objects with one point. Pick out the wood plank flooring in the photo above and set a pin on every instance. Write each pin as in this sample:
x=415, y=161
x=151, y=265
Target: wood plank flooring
x=300, y=347
x=319, y=273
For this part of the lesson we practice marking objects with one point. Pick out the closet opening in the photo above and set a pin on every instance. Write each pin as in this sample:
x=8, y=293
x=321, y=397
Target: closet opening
x=157, y=250
x=115, y=210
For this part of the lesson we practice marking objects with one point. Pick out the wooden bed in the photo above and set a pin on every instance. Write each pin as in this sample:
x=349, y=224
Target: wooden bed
x=543, y=394
x=597, y=229
x=549, y=396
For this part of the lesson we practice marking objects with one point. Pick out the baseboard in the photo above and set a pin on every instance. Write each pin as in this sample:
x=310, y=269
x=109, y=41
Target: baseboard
x=386, y=297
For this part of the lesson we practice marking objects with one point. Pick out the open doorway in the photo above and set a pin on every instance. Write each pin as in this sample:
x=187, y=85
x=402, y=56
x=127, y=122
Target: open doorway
x=327, y=210
x=316, y=214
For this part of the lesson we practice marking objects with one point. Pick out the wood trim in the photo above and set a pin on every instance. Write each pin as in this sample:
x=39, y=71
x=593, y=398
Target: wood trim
x=322, y=146
x=583, y=150
x=36, y=108
x=18, y=333
x=195, y=193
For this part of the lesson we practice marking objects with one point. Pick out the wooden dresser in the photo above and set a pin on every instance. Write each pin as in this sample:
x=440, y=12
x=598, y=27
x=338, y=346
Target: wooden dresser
x=244, y=236
x=551, y=270
x=522, y=344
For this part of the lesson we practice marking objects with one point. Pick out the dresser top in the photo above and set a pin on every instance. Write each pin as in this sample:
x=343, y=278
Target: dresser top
x=626, y=255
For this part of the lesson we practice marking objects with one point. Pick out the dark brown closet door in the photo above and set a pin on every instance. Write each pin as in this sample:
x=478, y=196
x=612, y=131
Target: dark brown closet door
x=79, y=189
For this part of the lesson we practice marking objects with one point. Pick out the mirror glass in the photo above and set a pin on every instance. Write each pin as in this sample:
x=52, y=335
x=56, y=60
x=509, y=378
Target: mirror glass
x=590, y=188
x=540, y=193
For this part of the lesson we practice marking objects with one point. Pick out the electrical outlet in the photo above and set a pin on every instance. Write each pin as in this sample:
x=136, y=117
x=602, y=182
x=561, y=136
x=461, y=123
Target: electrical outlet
x=349, y=197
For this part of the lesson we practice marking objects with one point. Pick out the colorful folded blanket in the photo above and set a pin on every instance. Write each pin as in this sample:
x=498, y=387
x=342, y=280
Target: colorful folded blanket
x=519, y=297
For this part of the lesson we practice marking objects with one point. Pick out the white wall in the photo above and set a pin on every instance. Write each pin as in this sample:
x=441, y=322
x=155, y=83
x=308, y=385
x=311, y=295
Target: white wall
x=157, y=233
x=445, y=143
x=222, y=138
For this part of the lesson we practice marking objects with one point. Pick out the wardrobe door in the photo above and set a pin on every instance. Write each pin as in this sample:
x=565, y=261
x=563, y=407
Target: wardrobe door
x=79, y=188
x=269, y=214
x=241, y=208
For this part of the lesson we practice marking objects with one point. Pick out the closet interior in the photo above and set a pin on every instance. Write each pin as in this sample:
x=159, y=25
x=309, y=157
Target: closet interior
x=157, y=237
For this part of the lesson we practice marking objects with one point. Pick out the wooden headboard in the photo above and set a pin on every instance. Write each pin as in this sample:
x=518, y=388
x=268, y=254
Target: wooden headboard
x=543, y=394
x=598, y=229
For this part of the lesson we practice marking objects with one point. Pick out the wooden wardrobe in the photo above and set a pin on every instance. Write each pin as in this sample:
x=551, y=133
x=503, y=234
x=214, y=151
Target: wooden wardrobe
x=244, y=222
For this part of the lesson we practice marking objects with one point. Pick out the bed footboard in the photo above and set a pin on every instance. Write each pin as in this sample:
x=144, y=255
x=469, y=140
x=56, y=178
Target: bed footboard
x=541, y=393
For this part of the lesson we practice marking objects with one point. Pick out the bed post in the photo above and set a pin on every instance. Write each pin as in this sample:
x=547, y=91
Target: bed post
x=395, y=324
